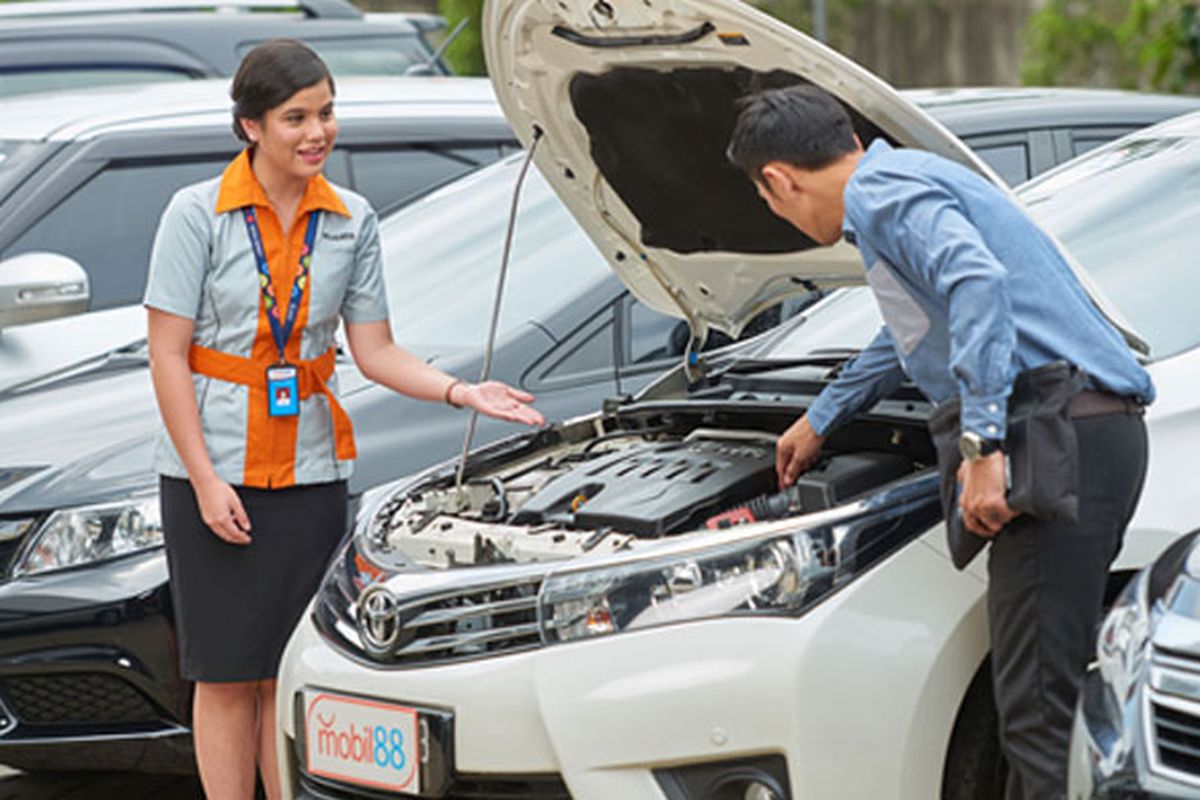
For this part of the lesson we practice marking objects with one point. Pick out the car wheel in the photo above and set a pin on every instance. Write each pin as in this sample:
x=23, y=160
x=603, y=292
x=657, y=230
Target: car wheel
x=975, y=765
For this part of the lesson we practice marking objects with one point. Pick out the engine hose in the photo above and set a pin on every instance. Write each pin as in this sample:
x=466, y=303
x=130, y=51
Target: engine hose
x=763, y=507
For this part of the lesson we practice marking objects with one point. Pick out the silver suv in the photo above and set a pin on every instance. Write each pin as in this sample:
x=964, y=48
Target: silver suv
x=84, y=176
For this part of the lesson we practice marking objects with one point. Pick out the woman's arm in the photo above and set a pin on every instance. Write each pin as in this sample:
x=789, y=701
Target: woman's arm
x=382, y=361
x=169, y=338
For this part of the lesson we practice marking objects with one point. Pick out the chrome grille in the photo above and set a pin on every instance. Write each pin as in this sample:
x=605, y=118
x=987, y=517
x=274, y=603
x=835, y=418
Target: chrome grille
x=1173, y=714
x=1177, y=738
x=472, y=622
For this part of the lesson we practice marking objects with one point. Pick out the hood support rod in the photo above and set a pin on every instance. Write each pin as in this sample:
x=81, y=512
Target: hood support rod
x=486, y=372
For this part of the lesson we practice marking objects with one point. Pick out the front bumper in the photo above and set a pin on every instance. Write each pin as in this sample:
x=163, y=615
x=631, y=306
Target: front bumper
x=89, y=671
x=855, y=699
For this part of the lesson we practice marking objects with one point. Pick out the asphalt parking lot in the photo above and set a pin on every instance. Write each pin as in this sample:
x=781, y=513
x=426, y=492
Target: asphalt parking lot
x=96, y=786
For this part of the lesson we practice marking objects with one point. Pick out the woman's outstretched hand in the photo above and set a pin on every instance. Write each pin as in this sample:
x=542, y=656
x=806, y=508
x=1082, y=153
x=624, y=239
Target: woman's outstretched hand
x=498, y=400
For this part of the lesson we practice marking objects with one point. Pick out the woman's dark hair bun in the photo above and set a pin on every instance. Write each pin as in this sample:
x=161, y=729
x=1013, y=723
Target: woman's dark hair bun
x=270, y=74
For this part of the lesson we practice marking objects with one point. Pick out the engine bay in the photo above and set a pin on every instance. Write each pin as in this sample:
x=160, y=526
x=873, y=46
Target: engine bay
x=617, y=490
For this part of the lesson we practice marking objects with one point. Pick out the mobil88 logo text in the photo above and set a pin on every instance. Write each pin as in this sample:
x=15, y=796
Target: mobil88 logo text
x=384, y=746
x=362, y=741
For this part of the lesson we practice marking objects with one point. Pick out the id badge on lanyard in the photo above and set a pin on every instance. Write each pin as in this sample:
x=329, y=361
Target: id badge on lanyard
x=283, y=390
x=283, y=379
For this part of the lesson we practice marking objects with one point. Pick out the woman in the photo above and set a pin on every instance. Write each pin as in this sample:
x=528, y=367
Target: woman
x=250, y=274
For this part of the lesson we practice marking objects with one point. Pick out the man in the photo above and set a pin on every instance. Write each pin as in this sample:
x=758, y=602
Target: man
x=972, y=294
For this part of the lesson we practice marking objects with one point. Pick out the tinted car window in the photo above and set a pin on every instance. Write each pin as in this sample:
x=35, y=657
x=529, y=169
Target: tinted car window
x=374, y=56
x=1086, y=142
x=16, y=82
x=1011, y=161
x=592, y=353
x=652, y=336
x=403, y=175
x=1128, y=213
x=378, y=55
x=108, y=224
x=436, y=309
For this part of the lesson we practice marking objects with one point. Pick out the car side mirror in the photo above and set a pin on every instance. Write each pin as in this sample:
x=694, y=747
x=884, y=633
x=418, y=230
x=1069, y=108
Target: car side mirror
x=420, y=71
x=39, y=286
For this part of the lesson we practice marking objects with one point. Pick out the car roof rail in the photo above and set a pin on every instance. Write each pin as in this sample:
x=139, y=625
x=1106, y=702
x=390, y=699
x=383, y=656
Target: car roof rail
x=326, y=9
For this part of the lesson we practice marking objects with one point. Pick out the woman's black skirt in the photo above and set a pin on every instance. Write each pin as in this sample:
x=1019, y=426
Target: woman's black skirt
x=236, y=605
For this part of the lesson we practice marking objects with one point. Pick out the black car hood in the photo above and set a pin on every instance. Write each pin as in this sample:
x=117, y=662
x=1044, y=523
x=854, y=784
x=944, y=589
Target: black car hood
x=77, y=440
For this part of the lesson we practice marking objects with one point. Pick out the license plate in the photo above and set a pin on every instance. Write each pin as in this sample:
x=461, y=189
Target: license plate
x=365, y=742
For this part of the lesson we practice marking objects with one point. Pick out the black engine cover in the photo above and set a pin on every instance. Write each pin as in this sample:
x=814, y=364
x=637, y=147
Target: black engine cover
x=653, y=489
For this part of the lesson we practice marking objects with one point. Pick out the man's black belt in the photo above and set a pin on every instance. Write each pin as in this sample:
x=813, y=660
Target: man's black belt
x=1093, y=403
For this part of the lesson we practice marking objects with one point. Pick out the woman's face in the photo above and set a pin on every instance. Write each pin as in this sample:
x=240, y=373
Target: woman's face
x=296, y=136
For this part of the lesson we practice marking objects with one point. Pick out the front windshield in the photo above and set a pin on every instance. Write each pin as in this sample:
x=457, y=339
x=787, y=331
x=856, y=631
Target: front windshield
x=442, y=258
x=846, y=320
x=1128, y=213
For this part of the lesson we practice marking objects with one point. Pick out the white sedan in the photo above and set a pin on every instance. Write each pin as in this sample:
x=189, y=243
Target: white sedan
x=622, y=606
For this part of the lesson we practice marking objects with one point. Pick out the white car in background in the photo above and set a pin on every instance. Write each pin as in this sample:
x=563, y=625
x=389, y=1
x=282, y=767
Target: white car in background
x=577, y=618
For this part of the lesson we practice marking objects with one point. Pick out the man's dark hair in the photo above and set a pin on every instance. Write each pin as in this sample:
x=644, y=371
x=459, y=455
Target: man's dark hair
x=800, y=125
x=270, y=74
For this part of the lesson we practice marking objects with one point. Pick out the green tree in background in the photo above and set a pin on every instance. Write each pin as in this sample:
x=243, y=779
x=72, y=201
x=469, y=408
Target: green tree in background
x=1130, y=44
x=465, y=55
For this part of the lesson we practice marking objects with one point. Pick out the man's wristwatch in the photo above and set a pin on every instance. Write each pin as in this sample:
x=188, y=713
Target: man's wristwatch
x=972, y=446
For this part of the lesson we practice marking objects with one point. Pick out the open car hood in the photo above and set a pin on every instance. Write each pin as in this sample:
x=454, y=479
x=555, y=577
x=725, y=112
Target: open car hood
x=636, y=102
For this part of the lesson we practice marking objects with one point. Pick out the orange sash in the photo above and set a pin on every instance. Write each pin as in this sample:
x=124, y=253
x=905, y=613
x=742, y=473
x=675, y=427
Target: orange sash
x=312, y=377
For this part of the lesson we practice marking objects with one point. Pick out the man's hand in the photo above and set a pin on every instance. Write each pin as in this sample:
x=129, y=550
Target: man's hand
x=796, y=451
x=982, y=498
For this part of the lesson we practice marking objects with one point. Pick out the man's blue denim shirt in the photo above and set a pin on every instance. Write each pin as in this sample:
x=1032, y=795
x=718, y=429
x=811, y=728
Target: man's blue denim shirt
x=971, y=290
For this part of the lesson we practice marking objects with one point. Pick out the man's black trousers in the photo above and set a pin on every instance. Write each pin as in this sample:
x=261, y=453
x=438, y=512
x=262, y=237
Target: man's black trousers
x=1046, y=587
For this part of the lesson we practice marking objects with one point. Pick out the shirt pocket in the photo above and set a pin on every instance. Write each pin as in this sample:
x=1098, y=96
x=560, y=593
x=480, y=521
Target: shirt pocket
x=905, y=318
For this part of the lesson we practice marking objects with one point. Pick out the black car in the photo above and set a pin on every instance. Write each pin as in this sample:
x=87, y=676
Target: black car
x=75, y=605
x=60, y=44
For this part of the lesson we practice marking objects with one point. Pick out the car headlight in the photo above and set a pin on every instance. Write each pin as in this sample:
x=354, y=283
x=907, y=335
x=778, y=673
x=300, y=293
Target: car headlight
x=784, y=574
x=1124, y=640
x=71, y=537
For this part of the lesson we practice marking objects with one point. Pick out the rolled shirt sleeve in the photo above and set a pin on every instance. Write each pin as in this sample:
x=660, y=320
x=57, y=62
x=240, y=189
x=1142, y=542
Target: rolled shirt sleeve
x=179, y=258
x=366, y=298
x=872, y=375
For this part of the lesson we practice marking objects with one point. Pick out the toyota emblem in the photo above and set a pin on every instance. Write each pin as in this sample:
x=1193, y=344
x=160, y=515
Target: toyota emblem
x=378, y=620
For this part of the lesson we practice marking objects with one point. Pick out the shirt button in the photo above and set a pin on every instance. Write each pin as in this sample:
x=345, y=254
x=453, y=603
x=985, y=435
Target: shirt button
x=993, y=409
x=992, y=429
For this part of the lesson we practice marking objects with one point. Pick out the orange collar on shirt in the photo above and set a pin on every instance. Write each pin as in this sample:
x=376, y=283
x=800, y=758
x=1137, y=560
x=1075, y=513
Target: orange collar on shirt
x=240, y=188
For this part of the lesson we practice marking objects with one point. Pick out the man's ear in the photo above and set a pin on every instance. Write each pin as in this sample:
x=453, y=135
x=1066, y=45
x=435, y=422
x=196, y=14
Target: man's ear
x=776, y=180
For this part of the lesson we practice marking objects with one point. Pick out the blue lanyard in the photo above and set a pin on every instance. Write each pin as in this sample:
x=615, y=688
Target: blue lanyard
x=281, y=331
